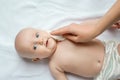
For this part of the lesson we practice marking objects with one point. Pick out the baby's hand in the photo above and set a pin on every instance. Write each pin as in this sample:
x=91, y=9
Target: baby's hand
x=116, y=25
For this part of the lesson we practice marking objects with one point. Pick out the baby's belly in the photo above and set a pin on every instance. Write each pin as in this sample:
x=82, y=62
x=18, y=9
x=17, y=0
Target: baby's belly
x=86, y=67
x=85, y=61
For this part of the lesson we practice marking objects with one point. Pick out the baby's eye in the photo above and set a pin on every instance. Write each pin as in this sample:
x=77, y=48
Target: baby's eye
x=37, y=35
x=35, y=47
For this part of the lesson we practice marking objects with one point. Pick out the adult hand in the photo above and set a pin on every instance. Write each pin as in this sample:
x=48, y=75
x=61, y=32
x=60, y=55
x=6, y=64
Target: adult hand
x=82, y=32
x=116, y=24
x=88, y=30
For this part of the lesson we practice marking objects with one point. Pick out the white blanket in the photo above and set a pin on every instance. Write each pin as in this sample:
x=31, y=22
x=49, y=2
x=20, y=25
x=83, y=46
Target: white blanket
x=44, y=14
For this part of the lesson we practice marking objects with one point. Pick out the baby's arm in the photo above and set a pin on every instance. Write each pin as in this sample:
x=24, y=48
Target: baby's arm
x=57, y=72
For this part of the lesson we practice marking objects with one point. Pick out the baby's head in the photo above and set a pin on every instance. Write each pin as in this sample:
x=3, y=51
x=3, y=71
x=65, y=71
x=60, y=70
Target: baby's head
x=34, y=43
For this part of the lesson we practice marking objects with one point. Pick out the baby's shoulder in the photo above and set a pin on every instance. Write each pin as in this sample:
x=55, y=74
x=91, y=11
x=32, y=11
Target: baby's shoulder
x=53, y=61
x=58, y=59
x=54, y=65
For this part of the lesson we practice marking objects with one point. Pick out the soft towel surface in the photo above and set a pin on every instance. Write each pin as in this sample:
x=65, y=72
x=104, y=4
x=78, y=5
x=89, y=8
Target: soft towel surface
x=44, y=14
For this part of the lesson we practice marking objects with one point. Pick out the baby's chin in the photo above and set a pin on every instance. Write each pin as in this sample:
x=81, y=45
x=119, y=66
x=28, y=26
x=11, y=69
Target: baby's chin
x=52, y=44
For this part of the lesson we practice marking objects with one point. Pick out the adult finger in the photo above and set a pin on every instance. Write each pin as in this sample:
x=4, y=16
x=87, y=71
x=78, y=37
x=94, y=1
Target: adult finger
x=61, y=31
x=73, y=38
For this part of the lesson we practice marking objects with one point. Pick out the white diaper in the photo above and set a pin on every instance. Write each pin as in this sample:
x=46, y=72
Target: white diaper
x=111, y=65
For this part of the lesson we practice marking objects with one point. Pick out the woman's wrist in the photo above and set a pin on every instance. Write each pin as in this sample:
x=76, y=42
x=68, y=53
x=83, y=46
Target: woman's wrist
x=96, y=30
x=108, y=19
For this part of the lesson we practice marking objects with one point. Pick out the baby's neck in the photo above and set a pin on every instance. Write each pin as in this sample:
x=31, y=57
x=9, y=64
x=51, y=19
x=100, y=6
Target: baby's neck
x=55, y=51
x=56, y=37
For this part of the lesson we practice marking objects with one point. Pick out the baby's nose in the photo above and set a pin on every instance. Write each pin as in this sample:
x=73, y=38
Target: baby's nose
x=39, y=41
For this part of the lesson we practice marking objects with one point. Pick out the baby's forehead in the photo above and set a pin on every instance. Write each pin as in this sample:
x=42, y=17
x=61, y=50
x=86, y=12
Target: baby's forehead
x=29, y=30
x=23, y=40
x=24, y=36
x=32, y=31
x=26, y=32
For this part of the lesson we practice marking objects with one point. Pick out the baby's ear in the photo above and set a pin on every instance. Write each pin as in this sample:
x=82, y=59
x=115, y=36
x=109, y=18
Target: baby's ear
x=35, y=59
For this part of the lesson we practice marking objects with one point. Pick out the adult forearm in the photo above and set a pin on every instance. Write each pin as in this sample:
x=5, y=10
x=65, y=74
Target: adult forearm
x=109, y=18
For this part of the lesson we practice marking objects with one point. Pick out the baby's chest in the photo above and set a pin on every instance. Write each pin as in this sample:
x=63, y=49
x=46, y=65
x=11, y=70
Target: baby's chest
x=67, y=59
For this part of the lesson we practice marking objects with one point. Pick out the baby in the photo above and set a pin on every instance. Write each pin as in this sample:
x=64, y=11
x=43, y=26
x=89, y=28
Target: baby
x=97, y=59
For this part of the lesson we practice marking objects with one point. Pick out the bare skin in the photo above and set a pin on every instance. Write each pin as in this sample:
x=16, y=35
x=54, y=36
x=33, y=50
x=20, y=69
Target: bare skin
x=87, y=31
x=83, y=59
x=116, y=24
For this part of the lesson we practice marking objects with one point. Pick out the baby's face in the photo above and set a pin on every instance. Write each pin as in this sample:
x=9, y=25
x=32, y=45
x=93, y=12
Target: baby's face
x=33, y=43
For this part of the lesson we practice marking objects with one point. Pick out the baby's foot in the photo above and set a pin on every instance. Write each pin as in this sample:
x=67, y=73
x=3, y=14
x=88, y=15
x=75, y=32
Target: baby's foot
x=116, y=25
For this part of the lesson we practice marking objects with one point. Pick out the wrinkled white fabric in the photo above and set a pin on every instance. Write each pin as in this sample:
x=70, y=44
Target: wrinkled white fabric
x=111, y=65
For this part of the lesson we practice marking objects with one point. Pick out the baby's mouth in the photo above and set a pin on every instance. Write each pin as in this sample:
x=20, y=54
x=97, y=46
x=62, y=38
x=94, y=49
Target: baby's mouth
x=47, y=42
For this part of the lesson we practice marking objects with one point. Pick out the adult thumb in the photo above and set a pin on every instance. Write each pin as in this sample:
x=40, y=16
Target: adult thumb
x=71, y=37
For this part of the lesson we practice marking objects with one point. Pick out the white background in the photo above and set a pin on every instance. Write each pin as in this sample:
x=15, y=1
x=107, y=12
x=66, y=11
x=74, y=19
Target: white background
x=43, y=14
